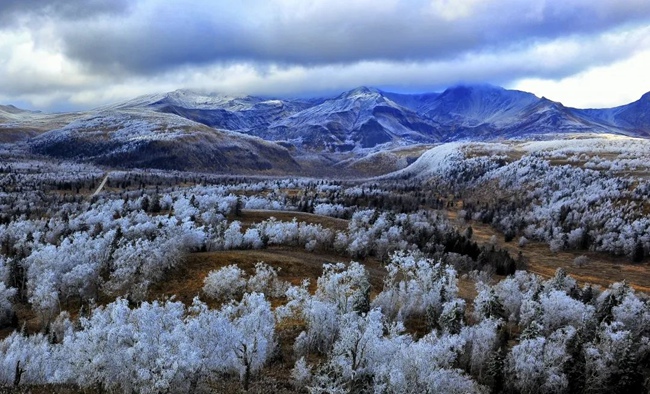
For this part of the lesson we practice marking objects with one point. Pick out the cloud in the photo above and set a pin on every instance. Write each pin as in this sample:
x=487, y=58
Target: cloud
x=158, y=36
x=599, y=87
x=546, y=62
x=79, y=54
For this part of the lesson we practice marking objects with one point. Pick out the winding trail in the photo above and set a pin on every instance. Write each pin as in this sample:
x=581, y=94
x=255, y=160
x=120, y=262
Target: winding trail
x=101, y=185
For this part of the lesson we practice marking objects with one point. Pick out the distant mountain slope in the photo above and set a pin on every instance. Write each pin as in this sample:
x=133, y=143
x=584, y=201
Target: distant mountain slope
x=471, y=106
x=6, y=110
x=357, y=119
x=18, y=124
x=634, y=117
x=484, y=112
x=547, y=117
x=128, y=138
x=245, y=113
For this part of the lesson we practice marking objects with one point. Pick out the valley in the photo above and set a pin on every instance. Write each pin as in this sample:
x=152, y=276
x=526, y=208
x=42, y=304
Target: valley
x=199, y=243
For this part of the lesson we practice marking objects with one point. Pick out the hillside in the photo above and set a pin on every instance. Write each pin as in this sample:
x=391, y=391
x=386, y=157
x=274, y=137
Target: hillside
x=146, y=139
x=18, y=124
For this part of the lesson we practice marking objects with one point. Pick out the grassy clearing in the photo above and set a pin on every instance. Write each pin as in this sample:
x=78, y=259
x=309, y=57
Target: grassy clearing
x=251, y=216
x=602, y=269
x=295, y=265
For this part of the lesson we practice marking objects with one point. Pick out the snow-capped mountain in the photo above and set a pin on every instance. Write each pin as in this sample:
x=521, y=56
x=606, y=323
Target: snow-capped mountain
x=358, y=119
x=366, y=118
x=246, y=114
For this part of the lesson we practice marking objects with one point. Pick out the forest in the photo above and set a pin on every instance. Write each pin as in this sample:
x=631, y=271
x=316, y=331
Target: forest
x=293, y=284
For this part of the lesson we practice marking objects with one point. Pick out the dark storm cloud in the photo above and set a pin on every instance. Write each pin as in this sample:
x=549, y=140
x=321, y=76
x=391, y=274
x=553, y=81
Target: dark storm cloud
x=165, y=35
x=12, y=11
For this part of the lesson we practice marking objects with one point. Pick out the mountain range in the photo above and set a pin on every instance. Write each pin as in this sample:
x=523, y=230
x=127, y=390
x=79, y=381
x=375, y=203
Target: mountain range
x=197, y=131
x=365, y=118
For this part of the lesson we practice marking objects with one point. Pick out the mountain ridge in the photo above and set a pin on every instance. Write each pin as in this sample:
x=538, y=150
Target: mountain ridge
x=190, y=130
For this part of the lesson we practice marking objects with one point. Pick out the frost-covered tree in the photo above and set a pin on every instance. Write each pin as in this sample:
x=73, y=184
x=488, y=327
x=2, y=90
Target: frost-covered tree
x=480, y=341
x=514, y=290
x=487, y=304
x=27, y=359
x=347, y=287
x=415, y=286
x=265, y=280
x=225, y=283
x=252, y=239
x=559, y=310
x=633, y=314
x=253, y=338
x=612, y=361
x=537, y=365
x=426, y=365
x=322, y=326
x=6, y=305
x=358, y=351
x=301, y=373
x=452, y=318
x=232, y=237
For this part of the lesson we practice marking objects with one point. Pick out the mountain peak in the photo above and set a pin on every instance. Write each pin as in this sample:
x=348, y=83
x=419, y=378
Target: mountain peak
x=474, y=88
x=12, y=109
x=645, y=97
x=361, y=91
x=553, y=104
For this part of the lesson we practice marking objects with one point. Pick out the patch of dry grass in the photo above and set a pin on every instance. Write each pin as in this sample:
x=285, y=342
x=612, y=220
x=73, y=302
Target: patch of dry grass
x=251, y=216
x=602, y=269
x=294, y=264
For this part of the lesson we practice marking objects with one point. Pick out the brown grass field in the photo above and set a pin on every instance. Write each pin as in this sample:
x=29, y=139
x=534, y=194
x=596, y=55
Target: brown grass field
x=602, y=269
x=294, y=265
x=250, y=216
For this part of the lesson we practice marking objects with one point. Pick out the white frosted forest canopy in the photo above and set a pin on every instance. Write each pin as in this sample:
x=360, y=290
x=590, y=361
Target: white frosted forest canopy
x=411, y=331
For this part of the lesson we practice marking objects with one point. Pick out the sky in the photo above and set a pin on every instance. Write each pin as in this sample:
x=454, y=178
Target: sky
x=78, y=54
